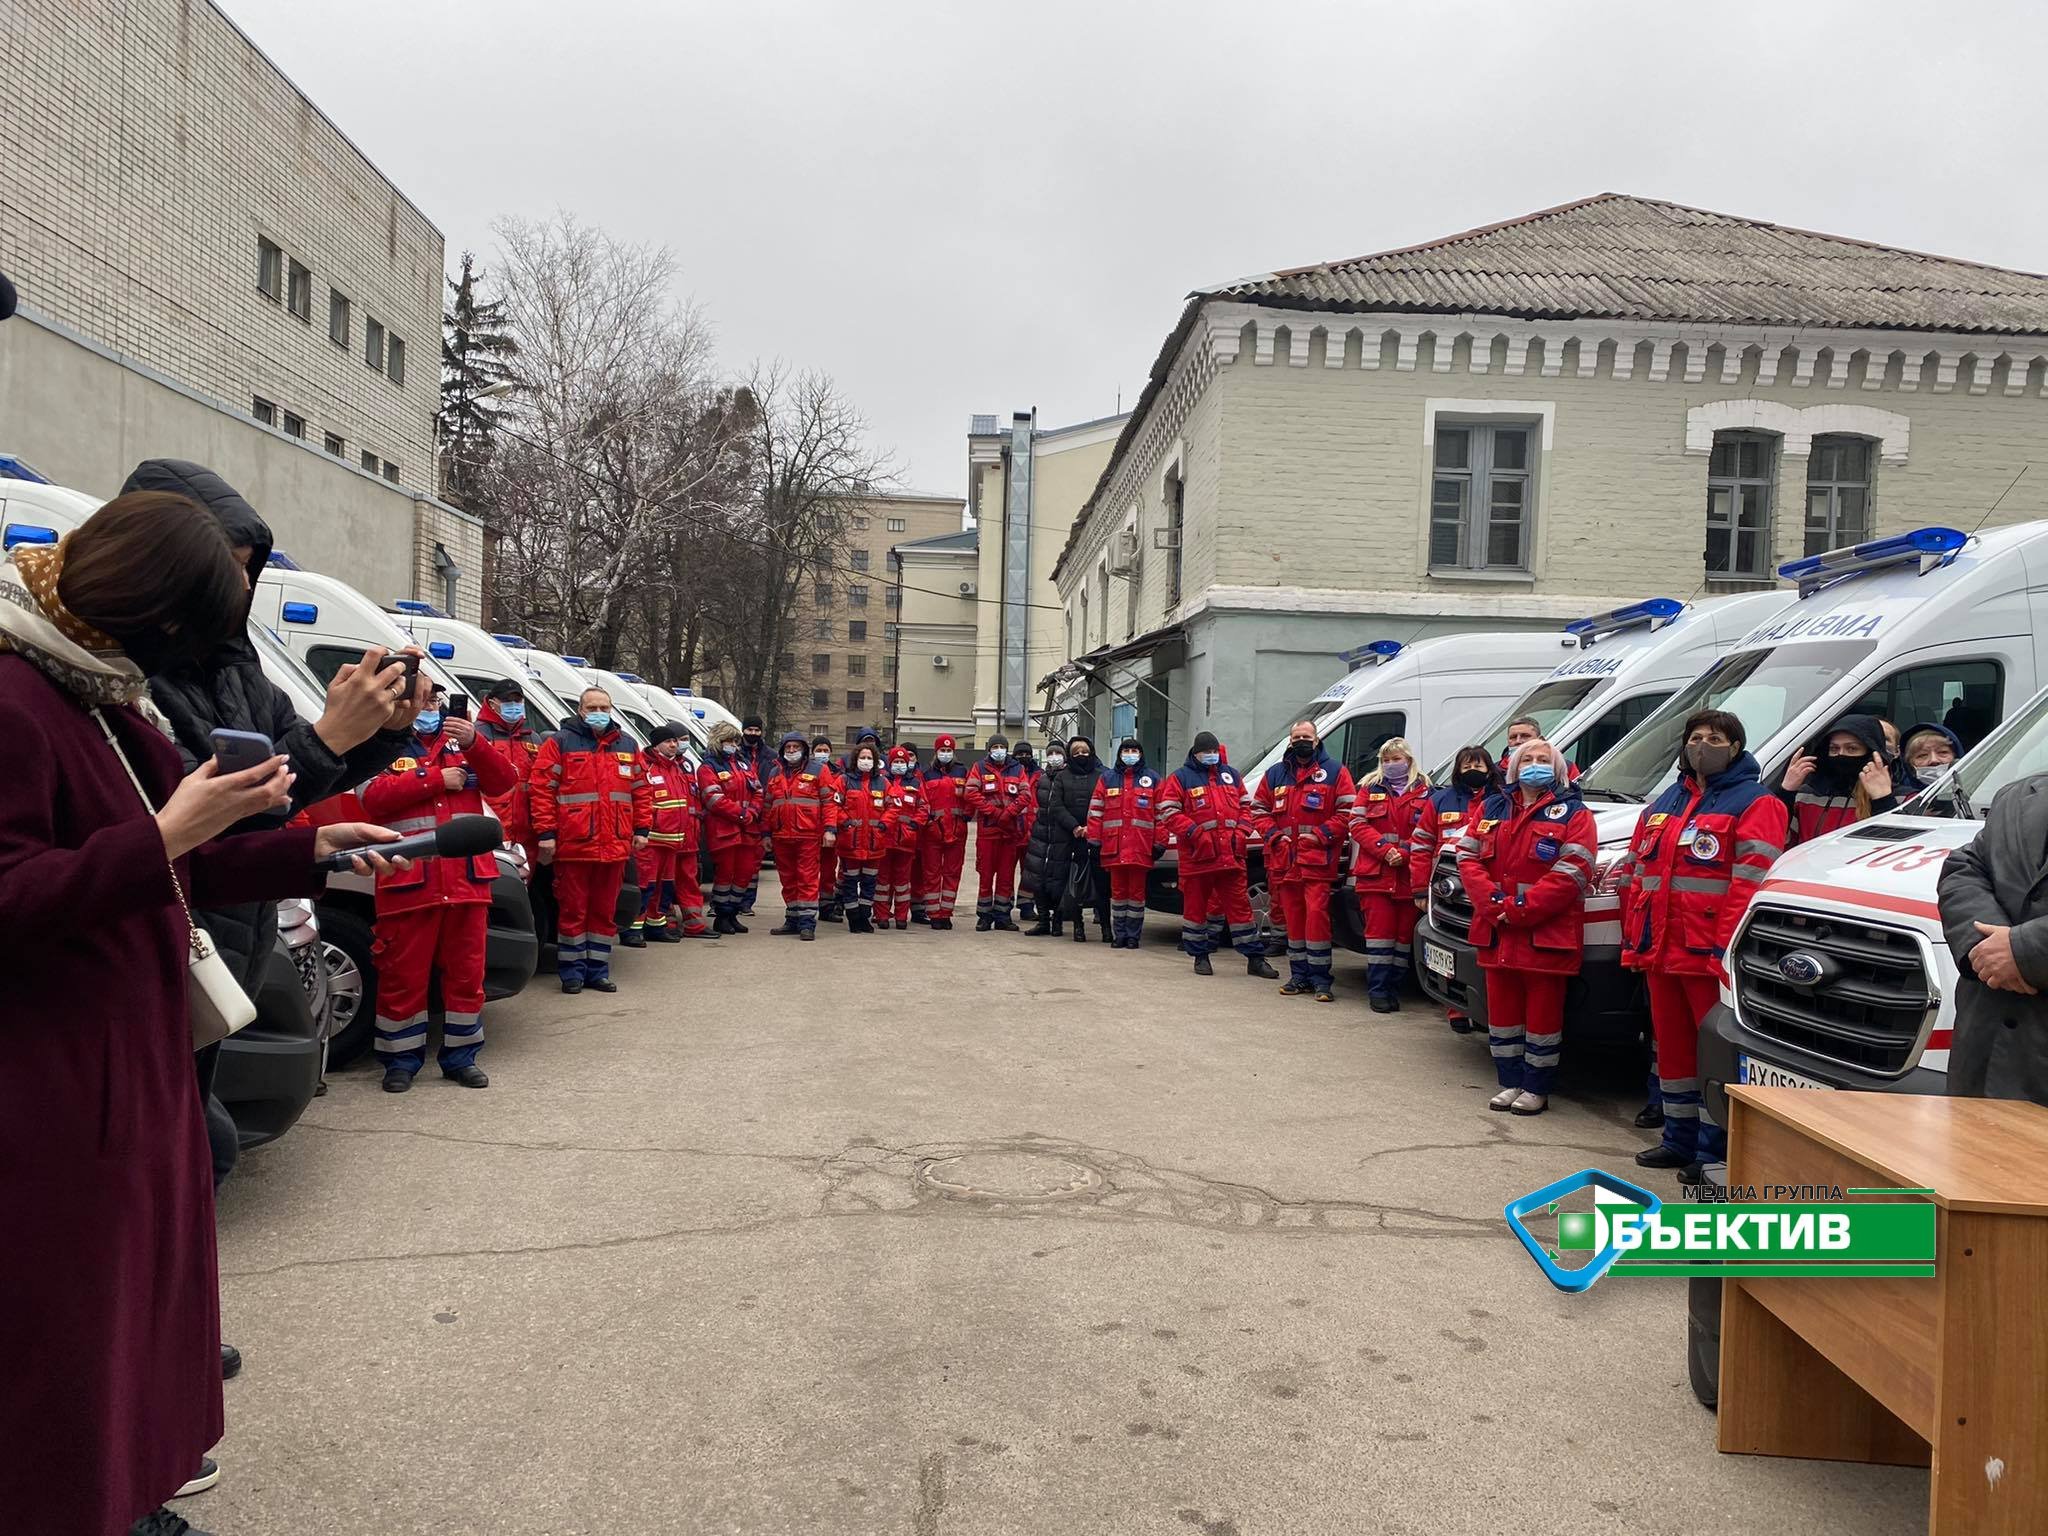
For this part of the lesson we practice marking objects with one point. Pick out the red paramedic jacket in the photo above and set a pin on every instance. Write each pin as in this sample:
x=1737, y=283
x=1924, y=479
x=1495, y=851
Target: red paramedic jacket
x=908, y=812
x=999, y=798
x=1445, y=811
x=409, y=797
x=731, y=797
x=801, y=802
x=864, y=832
x=1123, y=816
x=590, y=794
x=1383, y=822
x=1204, y=808
x=1301, y=811
x=945, y=798
x=1695, y=862
x=518, y=745
x=1538, y=861
x=673, y=788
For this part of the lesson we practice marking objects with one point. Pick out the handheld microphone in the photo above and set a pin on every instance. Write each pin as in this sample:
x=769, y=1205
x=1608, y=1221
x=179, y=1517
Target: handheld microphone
x=460, y=837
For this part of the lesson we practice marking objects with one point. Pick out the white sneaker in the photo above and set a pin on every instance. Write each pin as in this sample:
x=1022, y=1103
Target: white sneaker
x=1530, y=1103
x=1505, y=1098
x=209, y=1474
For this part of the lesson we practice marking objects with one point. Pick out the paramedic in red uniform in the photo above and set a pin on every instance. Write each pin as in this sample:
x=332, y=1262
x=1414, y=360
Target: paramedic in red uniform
x=996, y=797
x=668, y=864
x=942, y=846
x=801, y=812
x=1301, y=808
x=591, y=812
x=1202, y=804
x=1123, y=827
x=1700, y=852
x=1383, y=821
x=431, y=918
x=1025, y=756
x=730, y=792
x=894, y=891
x=864, y=834
x=1527, y=864
x=501, y=721
x=1445, y=811
x=832, y=770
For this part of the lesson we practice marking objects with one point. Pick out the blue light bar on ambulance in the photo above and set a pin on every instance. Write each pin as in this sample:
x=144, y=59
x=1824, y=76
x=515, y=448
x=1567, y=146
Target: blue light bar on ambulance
x=521, y=641
x=301, y=613
x=1653, y=611
x=27, y=533
x=576, y=661
x=440, y=650
x=631, y=677
x=414, y=605
x=1370, y=655
x=1928, y=547
x=12, y=468
x=280, y=561
x=684, y=693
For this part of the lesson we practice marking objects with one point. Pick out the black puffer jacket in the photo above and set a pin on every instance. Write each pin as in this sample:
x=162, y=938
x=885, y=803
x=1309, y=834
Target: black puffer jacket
x=229, y=691
x=1062, y=806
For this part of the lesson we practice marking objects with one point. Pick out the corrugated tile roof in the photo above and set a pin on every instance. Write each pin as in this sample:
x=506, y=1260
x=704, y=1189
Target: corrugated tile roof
x=981, y=426
x=1634, y=258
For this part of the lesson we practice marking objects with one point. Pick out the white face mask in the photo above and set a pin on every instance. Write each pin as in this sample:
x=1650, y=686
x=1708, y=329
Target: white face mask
x=899, y=769
x=944, y=757
x=999, y=754
x=864, y=764
x=792, y=757
x=1055, y=760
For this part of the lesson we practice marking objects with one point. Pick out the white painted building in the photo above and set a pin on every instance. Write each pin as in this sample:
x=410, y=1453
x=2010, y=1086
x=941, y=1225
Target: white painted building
x=210, y=269
x=1524, y=423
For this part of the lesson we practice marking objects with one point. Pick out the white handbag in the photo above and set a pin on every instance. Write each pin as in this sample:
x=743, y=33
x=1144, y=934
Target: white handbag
x=215, y=1000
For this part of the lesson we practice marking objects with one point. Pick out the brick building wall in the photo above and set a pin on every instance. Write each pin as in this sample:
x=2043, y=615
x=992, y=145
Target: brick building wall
x=842, y=664
x=149, y=147
x=1311, y=480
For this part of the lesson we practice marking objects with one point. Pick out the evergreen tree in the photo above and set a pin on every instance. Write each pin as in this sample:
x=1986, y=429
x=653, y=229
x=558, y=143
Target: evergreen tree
x=476, y=354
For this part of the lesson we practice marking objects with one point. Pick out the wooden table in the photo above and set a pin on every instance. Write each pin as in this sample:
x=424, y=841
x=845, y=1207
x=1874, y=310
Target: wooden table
x=1950, y=1372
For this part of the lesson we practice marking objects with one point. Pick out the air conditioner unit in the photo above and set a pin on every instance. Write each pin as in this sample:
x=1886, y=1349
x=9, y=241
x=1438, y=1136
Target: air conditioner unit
x=968, y=589
x=942, y=662
x=1123, y=552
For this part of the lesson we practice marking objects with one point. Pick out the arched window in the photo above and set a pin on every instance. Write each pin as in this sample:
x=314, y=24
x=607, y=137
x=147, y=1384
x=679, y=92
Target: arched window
x=1838, y=493
x=1740, y=477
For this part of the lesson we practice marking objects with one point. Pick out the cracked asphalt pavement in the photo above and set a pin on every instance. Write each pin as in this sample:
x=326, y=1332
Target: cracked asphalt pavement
x=957, y=1235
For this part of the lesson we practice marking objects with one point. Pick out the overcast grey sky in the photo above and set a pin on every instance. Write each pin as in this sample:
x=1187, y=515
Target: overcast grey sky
x=965, y=207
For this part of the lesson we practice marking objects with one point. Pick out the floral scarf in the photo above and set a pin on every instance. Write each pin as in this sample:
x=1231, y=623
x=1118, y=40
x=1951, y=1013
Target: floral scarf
x=36, y=626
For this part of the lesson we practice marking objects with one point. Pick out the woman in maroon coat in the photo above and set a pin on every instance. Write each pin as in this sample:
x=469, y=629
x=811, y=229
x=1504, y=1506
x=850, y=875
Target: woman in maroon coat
x=109, y=1307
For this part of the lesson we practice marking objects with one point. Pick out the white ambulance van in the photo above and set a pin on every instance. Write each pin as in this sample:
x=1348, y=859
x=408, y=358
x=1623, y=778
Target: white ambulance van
x=478, y=661
x=1436, y=693
x=328, y=624
x=1929, y=625
x=1628, y=662
x=707, y=709
x=1840, y=975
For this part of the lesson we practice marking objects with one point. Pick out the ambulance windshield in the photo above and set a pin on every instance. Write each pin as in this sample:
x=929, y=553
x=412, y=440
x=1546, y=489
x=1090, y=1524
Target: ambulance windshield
x=1319, y=712
x=1765, y=690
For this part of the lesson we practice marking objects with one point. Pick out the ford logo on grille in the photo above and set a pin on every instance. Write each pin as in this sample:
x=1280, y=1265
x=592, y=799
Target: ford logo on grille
x=1446, y=888
x=1803, y=969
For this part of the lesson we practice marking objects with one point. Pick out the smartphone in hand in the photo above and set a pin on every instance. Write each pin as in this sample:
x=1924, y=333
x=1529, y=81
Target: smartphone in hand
x=238, y=750
x=458, y=707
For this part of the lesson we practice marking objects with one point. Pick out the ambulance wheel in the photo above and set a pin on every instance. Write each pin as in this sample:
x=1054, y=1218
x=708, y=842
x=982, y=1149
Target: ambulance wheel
x=1261, y=901
x=352, y=984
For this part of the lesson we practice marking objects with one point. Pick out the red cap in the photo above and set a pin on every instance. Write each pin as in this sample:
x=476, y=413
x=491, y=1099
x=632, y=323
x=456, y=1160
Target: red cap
x=943, y=744
x=902, y=754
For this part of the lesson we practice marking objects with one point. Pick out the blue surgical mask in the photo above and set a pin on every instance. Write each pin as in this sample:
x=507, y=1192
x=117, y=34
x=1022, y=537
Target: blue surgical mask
x=427, y=721
x=1129, y=759
x=944, y=757
x=999, y=754
x=899, y=769
x=1208, y=759
x=598, y=719
x=1536, y=776
x=511, y=714
x=730, y=749
x=821, y=755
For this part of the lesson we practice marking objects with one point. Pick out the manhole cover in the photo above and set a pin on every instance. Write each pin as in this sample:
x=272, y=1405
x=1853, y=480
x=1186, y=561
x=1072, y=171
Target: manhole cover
x=1008, y=1175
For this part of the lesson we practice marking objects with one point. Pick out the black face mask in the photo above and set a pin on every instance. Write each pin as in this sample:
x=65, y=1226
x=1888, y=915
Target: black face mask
x=1839, y=774
x=1301, y=751
x=752, y=738
x=1077, y=760
x=1472, y=780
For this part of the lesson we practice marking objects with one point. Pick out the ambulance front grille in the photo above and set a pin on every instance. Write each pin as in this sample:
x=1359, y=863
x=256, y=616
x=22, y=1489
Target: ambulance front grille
x=1870, y=1000
x=1449, y=907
